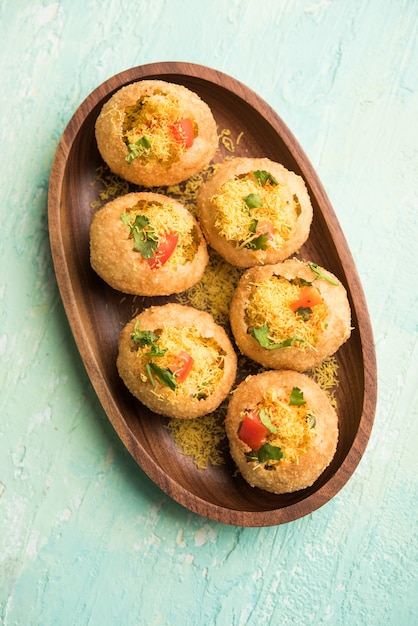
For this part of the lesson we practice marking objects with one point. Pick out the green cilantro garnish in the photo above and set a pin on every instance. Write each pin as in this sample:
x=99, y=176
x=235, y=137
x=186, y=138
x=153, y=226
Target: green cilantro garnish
x=254, y=242
x=266, y=453
x=304, y=312
x=265, y=419
x=143, y=337
x=258, y=243
x=296, y=397
x=147, y=338
x=303, y=282
x=262, y=177
x=253, y=201
x=315, y=268
x=142, y=146
x=311, y=420
x=144, y=236
x=262, y=336
x=165, y=376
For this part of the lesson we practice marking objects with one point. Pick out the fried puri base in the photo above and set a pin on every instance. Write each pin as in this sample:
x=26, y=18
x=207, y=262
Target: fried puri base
x=288, y=476
x=162, y=399
x=294, y=357
x=228, y=250
x=109, y=135
x=114, y=259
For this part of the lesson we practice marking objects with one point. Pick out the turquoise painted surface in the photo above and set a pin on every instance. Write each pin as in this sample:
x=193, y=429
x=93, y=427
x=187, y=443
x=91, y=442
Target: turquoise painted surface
x=85, y=537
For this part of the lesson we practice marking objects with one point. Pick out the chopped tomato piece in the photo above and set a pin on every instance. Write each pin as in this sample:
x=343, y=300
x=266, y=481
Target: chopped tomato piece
x=309, y=296
x=183, y=132
x=182, y=366
x=252, y=431
x=265, y=228
x=164, y=251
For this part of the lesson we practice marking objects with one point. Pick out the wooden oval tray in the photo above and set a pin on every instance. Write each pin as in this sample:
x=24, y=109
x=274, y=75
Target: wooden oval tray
x=96, y=313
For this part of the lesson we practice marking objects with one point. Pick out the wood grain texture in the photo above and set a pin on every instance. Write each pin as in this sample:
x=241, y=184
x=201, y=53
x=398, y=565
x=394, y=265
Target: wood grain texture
x=96, y=312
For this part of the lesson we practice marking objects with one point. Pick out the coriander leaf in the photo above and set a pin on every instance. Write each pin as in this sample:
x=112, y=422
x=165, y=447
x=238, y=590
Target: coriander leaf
x=265, y=419
x=253, y=226
x=296, y=397
x=140, y=221
x=319, y=274
x=143, y=337
x=299, y=282
x=156, y=351
x=259, y=243
x=144, y=236
x=311, y=420
x=136, y=149
x=261, y=334
x=262, y=177
x=165, y=376
x=150, y=375
x=288, y=342
x=147, y=338
x=253, y=201
x=126, y=219
x=254, y=242
x=144, y=245
x=304, y=312
x=267, y=452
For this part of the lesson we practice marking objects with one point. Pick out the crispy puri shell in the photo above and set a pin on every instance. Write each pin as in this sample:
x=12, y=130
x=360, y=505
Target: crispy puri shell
x=288, y=476
x=246, y=257
x=163, y=400
x=292, y=357
x=114, y=150
x=113, y=258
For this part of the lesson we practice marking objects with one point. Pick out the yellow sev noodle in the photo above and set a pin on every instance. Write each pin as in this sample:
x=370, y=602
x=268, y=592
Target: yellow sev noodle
x=165, y=219
x=208, y=356
x=215, y=290
x=269, y=304
x=233, y=219
x=199, y=439
x=152, y=118
x=326, y=376
x=112, y=186
x=294, y=432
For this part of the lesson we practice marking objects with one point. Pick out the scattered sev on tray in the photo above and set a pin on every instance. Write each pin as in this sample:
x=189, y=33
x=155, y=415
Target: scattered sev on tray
x=326, y=375
x=200, y=439
x=214, y=292
x=203, y=439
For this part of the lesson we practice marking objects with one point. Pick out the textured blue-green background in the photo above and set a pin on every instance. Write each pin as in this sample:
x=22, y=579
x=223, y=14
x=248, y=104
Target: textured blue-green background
x=85, y=537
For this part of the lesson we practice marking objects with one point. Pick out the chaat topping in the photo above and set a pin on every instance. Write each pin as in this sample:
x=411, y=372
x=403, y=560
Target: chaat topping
x=254, y=211
x=156, y=131
x=180, y=358
x=281, y=313
x=161, y=233
x=278, y=428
